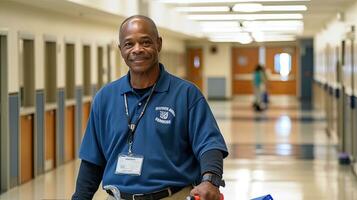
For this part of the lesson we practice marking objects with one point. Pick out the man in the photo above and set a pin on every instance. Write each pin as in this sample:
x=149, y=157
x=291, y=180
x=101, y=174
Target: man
x=150, y=135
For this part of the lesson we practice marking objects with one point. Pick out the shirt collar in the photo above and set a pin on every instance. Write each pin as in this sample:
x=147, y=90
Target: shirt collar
x=162, y=84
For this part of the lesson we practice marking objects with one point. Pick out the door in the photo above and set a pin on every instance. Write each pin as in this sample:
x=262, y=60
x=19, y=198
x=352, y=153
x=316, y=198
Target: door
x=50, y=139
x=339, y=97
x=327, y=95
x=281, y=65
x=195, y=66
x=69, y=134
x=86, y=111
x=100, y=67
x=244, y=61
x=341, y=101
x=347, y=82
x=26, y=149
x=333, y=74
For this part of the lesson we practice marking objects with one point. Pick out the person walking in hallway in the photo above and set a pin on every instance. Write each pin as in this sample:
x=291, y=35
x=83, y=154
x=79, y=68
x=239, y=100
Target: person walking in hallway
x=259, y=85
x=150, y=135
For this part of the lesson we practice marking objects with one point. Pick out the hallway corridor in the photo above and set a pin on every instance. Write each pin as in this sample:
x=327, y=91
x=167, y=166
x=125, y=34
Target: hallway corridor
x=283, y=151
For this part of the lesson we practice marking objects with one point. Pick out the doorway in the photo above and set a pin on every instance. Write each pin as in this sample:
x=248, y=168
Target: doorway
x=348, y=86
x=69, y=136
x=51, y=108
x=86, y=70
x=109, y=63
x=281, y=66
x=100, y=67
x=244, y=61
x=27, y=101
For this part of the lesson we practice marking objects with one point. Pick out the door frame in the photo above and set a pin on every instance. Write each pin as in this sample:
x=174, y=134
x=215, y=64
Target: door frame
x=4, y=136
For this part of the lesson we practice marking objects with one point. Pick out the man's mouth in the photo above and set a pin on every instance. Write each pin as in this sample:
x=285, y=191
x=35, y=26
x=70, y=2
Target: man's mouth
x=139, y=59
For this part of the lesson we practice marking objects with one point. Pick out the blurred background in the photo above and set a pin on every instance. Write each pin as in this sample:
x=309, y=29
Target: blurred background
x=298, y=141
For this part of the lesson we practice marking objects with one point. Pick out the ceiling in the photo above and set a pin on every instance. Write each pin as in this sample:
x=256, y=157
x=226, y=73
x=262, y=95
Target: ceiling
x=317, y=14
x=314, y=18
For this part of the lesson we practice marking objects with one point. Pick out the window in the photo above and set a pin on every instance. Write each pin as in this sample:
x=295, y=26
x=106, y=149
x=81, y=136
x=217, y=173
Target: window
x=196, y=62
x=282, y=65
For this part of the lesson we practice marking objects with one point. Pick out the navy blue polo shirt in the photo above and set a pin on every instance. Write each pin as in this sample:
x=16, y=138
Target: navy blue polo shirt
x=176, y=129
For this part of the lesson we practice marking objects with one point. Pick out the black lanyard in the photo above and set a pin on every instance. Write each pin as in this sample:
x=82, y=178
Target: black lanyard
x=132, y=126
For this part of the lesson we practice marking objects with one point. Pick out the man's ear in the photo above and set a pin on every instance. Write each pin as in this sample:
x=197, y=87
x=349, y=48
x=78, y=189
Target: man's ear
x=121, y=54
x=159, y=43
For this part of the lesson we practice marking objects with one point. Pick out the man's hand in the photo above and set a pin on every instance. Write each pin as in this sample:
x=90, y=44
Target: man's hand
x=206, y=191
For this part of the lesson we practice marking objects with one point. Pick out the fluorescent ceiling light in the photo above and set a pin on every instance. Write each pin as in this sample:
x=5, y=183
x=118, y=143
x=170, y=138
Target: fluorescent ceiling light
x=203, y=9
x=245, y=16
x=285, y=8
x=219, y=24
x=286, y=26
x=225, y=24
x=275, y=39
x=274, y=23
x=224, y=1
x=241, y=7
x=222, y=30
x=229, y=35
x=257, y=7
x=242, y=40
x=262, y=36
x=275, y=29
x=248, y=7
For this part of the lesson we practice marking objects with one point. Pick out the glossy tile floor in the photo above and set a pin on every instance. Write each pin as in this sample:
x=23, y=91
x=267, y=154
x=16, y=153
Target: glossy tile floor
x=283, y=152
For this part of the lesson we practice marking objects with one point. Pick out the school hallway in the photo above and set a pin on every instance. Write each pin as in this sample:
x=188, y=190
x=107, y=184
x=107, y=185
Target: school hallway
x=282, y=151
x=56, y=55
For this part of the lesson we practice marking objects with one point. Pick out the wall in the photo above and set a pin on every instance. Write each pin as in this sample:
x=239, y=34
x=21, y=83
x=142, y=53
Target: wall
x=216, y=64
x=36, y=22
x=336, y=78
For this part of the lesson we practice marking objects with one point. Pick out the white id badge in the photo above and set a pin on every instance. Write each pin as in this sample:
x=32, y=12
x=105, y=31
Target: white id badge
x=129, y=164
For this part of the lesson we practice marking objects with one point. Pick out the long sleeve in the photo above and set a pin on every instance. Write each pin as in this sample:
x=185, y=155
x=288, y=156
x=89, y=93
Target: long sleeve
x=89, y=178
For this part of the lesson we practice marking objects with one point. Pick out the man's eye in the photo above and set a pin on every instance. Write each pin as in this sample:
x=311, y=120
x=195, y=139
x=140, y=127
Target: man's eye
x=147, y=43
x=128, y=45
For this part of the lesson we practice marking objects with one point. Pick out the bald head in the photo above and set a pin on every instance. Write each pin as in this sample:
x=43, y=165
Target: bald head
x=138, y=19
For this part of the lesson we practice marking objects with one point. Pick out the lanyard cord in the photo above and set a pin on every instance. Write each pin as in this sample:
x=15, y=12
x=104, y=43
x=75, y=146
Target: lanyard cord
x=132, y=126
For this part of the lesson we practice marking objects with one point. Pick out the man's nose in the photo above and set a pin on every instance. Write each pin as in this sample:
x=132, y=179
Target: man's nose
x=137, y=48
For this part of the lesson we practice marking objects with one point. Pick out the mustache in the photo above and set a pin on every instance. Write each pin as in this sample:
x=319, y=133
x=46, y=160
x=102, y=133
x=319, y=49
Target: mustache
x=139, y=57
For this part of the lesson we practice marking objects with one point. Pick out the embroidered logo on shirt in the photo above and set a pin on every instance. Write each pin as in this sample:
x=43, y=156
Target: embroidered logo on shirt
x=166, y=114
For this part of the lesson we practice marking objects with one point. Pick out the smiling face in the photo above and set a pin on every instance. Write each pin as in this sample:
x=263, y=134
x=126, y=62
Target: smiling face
x=140, y=45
